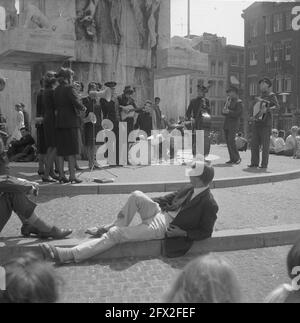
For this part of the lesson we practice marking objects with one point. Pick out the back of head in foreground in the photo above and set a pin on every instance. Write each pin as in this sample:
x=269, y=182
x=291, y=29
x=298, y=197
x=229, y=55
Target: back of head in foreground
x=29, y=280
x=207, y=279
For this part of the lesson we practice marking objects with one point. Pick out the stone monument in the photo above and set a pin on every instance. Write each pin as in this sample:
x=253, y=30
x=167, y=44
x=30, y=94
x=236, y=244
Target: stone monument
x=101, y=40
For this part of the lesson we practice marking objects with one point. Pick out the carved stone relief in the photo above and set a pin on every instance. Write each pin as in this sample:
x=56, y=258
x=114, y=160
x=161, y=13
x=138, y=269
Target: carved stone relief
x=145, y=12
x=115, y=18
x=86, y=18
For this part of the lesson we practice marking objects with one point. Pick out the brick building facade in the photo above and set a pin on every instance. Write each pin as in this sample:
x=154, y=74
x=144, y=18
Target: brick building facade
x=272, y=49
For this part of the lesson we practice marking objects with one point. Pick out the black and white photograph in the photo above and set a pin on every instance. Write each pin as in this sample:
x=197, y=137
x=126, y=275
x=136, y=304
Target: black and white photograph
x=149, y=154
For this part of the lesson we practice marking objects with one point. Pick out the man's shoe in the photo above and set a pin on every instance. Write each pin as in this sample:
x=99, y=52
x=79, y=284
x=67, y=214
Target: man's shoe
x=263, y=167
x=55, y=233
x=238, y=162
x=27, y=230
x=50, y=253
x=229, y=162
x=96, y=232
x=252, y=166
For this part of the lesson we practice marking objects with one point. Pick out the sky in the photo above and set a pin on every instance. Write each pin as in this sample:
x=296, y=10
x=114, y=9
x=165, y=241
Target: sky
x=221, y=17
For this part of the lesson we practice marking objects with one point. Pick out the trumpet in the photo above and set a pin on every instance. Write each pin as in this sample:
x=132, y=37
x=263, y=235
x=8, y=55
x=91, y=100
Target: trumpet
x=226, y=107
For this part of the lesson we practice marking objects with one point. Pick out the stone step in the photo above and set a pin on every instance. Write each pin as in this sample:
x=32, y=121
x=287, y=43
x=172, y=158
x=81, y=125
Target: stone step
x=127, y=188
x=222, y=241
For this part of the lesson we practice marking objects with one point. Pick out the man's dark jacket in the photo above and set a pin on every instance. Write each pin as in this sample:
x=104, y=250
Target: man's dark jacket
x=195, y=110
x=197, y=217
x=144, y=122
x=232, y=119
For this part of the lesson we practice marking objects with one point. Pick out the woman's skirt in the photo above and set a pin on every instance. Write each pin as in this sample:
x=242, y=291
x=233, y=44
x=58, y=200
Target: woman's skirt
x=67, y=141
x=40, y=142
x=50, y=134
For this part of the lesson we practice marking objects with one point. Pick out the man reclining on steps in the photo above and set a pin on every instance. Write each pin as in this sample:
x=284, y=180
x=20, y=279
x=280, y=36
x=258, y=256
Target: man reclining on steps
x=181, y=217
x=14, y=197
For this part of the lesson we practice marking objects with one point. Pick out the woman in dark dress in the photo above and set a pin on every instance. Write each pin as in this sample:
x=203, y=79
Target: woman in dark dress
x=49, y=126
x=67, y=108
x=41, y=146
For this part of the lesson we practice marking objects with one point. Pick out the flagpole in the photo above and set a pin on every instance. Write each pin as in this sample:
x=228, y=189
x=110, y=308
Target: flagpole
x=189, y=19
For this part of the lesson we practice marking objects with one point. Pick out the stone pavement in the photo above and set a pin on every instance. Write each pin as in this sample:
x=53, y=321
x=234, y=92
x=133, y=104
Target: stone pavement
x=132, y=280
x=246, y=207
x=146, y=280
x=165, y=173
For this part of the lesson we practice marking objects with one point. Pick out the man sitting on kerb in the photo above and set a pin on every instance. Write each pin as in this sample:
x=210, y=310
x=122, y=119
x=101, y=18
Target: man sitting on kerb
x=14, y=197
x=181, y=217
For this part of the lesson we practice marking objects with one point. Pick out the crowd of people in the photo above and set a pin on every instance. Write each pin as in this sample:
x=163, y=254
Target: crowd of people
x=68, y=121
x=289, y=146
x=205, y=280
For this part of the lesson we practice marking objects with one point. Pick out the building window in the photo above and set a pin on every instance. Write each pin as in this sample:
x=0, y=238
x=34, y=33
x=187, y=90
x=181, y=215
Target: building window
x=253, y=57
x=279, y=83
x=254, y=29
x=288, y=51
x=268, y=25
x=234, y=60
x=288, y=20
x=212, y=89
x=242, y=60
x=277, y=52
x=213, y=107
x=278, y=23
x=213, y=68
x=253, y=88
x=288, y=84
x=221, y=68
x=221, y=88
x=221, y=105
x=268, y=54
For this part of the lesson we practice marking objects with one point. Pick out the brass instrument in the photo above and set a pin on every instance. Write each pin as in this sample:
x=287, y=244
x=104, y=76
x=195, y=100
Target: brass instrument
x=227, y=105
x=103, y=94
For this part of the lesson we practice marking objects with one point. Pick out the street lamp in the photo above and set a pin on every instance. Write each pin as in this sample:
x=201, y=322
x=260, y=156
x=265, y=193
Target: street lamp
x=284, y=101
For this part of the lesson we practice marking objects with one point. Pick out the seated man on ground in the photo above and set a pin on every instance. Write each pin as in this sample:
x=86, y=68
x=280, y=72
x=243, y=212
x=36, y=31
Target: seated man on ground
x=14, y=198
x=22, y=150
x=273, y=139
x=277, y=145
x=241, y=143
x=182, y=217
x=291, y=142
